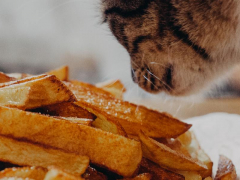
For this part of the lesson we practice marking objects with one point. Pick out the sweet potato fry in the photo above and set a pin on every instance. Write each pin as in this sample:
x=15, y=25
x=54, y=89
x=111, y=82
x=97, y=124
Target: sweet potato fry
x=29, y=154
x=34, y=92
x=62, y=73
x=37, y=173
x=115, y=87
x=66, y=109
x=165, y=156
x=117, y=153
x=158, y=172
x=57, y=174
x=226, y=169
x=133, y=118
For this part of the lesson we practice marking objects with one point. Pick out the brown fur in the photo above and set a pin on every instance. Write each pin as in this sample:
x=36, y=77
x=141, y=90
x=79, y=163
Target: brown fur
x=178, y=46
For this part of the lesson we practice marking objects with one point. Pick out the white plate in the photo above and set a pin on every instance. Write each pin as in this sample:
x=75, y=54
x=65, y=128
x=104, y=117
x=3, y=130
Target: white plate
x=219, y=133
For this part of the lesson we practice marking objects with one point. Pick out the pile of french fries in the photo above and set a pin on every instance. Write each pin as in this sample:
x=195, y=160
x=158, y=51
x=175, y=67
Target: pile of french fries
x=54, y=128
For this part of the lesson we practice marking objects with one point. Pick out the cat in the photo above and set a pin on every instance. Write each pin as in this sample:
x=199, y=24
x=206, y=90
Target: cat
x=176, y=46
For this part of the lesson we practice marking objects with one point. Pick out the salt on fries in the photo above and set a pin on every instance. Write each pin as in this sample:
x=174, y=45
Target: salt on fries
x=56, y=127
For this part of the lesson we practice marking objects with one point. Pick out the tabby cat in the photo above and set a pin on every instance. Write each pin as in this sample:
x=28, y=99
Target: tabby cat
x=178, y=46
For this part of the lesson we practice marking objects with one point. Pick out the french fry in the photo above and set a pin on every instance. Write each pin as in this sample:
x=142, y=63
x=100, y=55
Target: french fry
x=115, y=87
x=15, y=178
x=66, y=109
x=93, y=174
x=91, y=87
x=165, y=156
x=83, y=121
x=62, y=73
x=133, y=118
x=208, y=178
x=158, y=172
x=190, y=175
x=29, y=154
x=18, y=76
x=191, y=144
x=117, y=153
x=5, y=78
x=226, y=169
x=57, y=174
x=107, y=125
x=34, y=92
x=144, y=176
x=37, y=173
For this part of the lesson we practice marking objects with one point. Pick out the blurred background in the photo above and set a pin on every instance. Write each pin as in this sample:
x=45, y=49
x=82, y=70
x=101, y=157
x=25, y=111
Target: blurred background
x=36, y=36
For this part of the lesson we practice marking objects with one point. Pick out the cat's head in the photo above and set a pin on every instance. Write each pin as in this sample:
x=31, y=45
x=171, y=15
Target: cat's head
x=173, y=46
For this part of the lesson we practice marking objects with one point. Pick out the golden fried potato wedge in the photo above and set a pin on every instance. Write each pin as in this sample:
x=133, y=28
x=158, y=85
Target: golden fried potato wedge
x=93, y=174
x=208, y=178
x=5, y=78
x=226, y=169
x=15, y=178
x=18, y=76
x=62, y=73
x=57, y=174
x=34, y=92
x=115, y=87
x=196, y=152
x=166, y=157
x=190, y=175
x=37, y=173
x=91, y=87
x=83, y=121
x=114, y=127
x=133, y=118
x=66, y=109
x=117, y=153
x=144, y=176
x=158, y=172
x=29, y=154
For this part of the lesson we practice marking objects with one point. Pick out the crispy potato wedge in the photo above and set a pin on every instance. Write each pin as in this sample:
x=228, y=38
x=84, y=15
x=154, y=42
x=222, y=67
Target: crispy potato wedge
x=117, y=153
x=66, y=109
x=208, y=178
x=93, y=174
x=18, y=76
x=34, y=92
x=144, y=176
x=5, y=78
x=190, y=175
x=15, y=178
x=115, y=87
x=158, y=172
x=62, y=73
x=165, y=156
x=226, y=169
x=114, y=127
x=29, y=154
x=133, y=118
x=37, y=173
x=83, y=121
x=57, y=174
x=196, y=152
x=91, y=87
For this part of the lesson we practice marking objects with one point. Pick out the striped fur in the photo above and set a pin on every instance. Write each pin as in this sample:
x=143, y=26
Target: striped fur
x=178, y=46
